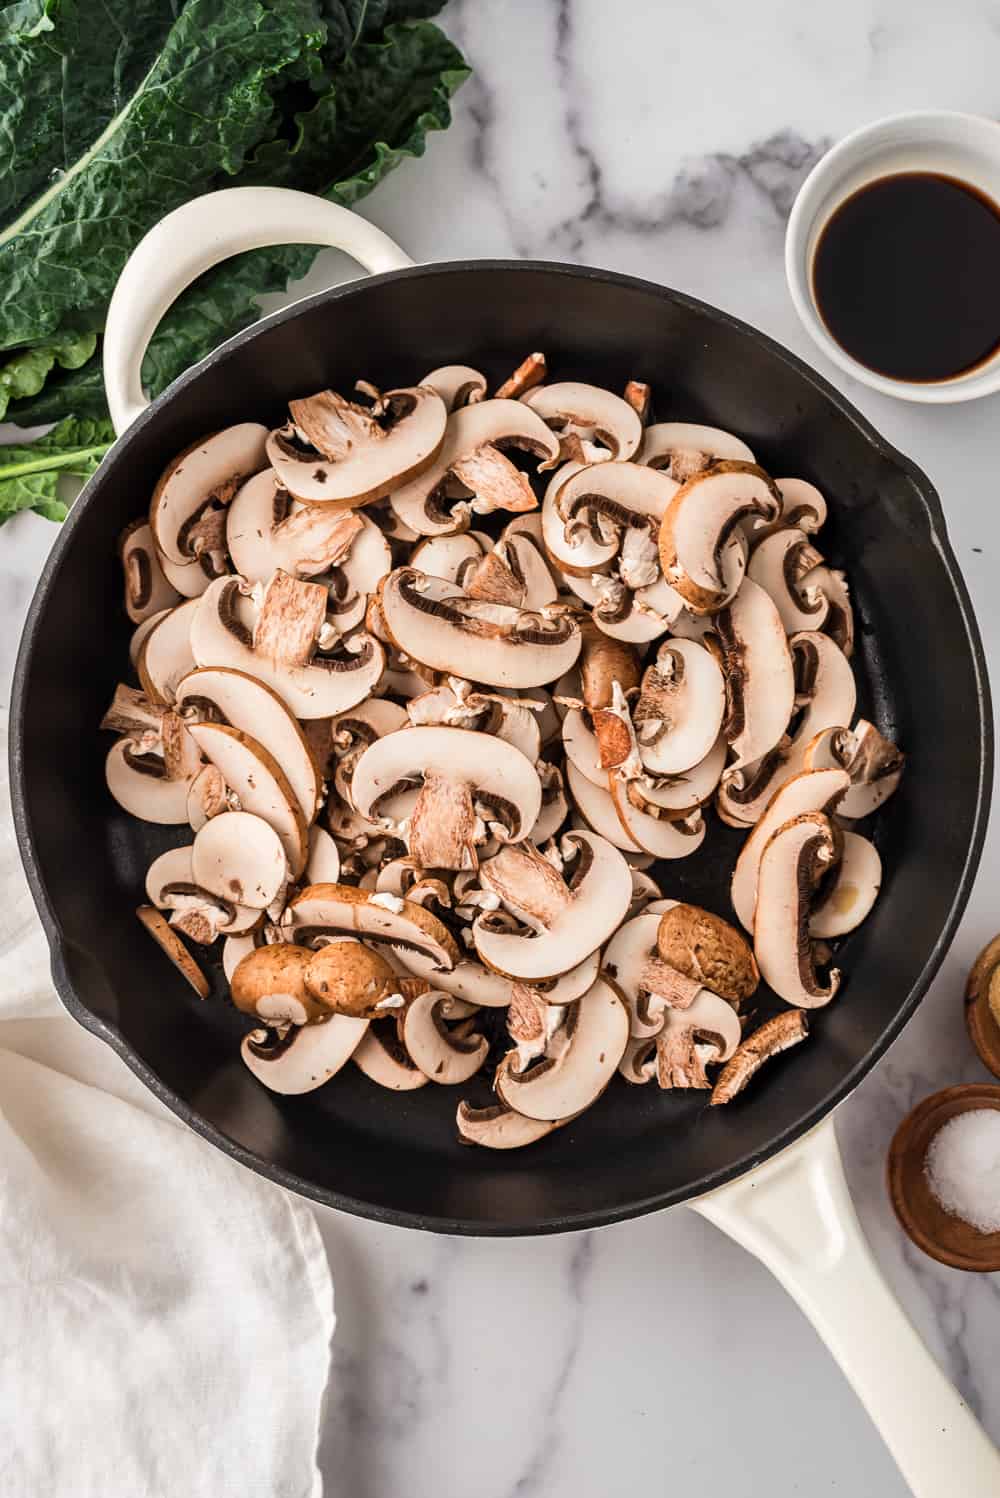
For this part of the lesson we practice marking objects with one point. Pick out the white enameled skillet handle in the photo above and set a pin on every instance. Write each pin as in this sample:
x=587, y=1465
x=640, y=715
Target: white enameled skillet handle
x=795, y=1214
x=197, y=236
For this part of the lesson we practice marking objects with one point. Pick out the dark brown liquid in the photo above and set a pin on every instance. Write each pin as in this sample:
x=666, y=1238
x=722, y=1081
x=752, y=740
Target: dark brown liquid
x=907, y=276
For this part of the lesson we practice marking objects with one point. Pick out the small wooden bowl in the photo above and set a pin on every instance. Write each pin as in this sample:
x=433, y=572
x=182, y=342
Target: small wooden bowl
x=948, y=1239
x=983, y=1028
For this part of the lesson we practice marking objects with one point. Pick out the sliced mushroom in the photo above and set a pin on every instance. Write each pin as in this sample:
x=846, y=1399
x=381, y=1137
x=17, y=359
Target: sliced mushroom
x=774, y=1036
x=304, y=1056
x=323, y=910
x=793, y=864
x=873, y=762
x=147, y=590
x=457, y=385
x=219, y=694
x=323, y=863
x=595, y=1036
x=631, y=961
x=151, y=785
x=443, y=1056
x=680, y=709
x=683, y=449
x=449, y=557
x=259, y=784
x=597, y=807
x=839, y=622
x=706, y=1033
x=187, y=512
x=347, y=977
x=678, y=797
x=337, y=452
x=270, y=984
x=142, y=630
x=609, y=670
x=223, y=634
x=701, y=549
x=240, y=857
x=709, y=951
x=383, y=1058
x=529, y=373
x=802, y=505
x=513, y=573
x=500, y=1128
x=165, y=655
x=570, y=921
x=760, y=681
x=853, y=889
x=809, y=791
x=593, y=515
x=197, y=911
x=266, y=530
x=779, y=564
x=471, y=454
x=661, y=836
x=169, y=942
x=133, y=714
x=590, y=421
x=479, y=641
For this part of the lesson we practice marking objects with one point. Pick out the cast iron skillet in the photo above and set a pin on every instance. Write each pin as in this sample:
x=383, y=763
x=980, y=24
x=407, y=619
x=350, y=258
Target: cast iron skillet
x=920, y=670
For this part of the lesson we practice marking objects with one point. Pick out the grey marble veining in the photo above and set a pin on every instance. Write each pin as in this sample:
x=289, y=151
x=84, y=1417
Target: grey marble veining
x=666, y=141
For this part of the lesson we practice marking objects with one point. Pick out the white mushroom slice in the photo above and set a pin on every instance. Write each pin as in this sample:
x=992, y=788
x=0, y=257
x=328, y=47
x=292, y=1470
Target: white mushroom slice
x=466, y=776
x=474, y=436
x=467, y=637
x=342, y=910
x=443, y=1057
x=323, y=863
x=169, y=942
x=777, y=1034
x=628, y=956
x=644, y=891
x=191, y=579
x=681, y=705
x=825, y=684
x=384, y=1060
x=810, y=791
x=165, y=655
x=792, y=865
x=760, y=681
x=140, y=633
x=259, y=784
x=266, y=530
x=555, y=807
x=187, y=512
x=596, y=1033
x=514, y=573
x=531, y=371
x=638, y=1063
x=457, y=385
x=853, y=890
x=582, y=748
x=662, y=836
x=701, y=549
x=683, y=449
x=147, y=590
x=588, y=413
x=572, y=920
x=873, y=762
x=779, y=563
x=234, y=949
x=222, y=634
x=141, y=784
x=679, y=796
x=707, y=1033
x=597, y=807
x=839, y=623
x=305, y=1056
x=802, y=505
x=197, y=911
x=206, y=797
x=500, y=1128
x=336, y=452
x=459, y=705
x=240, y=857
x=467, y=980
x=220, y=694
x=449, y=557
x=596, y=507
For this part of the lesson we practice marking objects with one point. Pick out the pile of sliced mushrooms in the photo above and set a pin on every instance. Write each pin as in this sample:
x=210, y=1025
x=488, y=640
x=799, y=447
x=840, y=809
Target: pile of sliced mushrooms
x=429, y=716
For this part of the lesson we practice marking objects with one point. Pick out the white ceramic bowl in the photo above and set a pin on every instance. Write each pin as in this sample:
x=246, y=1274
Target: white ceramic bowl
x=965, y=146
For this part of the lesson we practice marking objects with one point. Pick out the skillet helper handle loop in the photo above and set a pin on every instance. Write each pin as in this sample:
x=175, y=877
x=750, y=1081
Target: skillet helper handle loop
x=199, y=235
x=795, y=1214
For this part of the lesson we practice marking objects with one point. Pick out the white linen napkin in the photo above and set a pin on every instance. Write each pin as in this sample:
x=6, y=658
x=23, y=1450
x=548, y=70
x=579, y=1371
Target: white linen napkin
x=165, y=1315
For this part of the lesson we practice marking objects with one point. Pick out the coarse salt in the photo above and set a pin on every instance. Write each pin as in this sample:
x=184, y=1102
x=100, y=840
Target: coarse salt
x=963, y=1168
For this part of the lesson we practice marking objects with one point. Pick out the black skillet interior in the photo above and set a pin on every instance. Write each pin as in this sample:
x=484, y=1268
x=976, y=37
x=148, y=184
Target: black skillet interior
x=921, y=676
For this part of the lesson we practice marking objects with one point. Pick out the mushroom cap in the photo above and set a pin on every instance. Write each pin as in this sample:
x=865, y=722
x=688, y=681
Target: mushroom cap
x=269, y=983
x=206, y=472
x=777, y=1034
x=335, y=453
x=760, y=681
x=708, y=950
x=852, y=892
x=591, y=411
x=809, y=791
x=349, y=978
x=341, y=909
x=794, y=861
x=500, y=1128
x=560, y=1086
x=682, y=448
x=234, y=697
x=222, y=635
x=442, y=1055
x=701, y=549
x=593, y=907
x=304, y=1057
x=240, y=857
x=259, y=783
x=467, y=637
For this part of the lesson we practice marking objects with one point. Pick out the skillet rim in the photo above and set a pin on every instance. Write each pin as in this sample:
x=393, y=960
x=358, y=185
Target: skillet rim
x=536, y=1224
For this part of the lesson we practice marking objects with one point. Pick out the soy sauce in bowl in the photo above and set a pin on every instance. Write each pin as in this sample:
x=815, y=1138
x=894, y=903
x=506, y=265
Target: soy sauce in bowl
x=906, y=276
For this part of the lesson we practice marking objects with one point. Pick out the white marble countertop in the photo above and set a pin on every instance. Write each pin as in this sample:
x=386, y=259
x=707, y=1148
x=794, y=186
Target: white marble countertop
x=666, y=141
